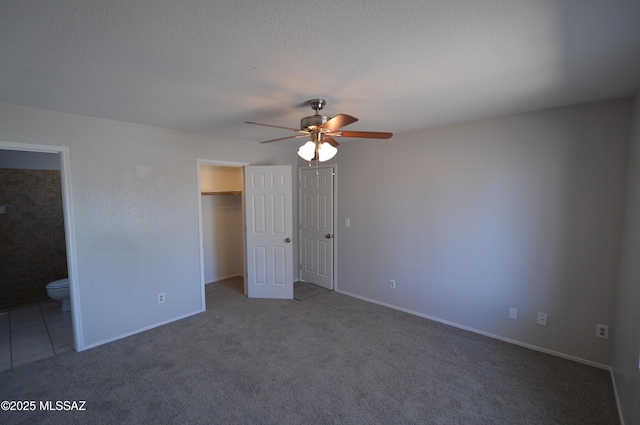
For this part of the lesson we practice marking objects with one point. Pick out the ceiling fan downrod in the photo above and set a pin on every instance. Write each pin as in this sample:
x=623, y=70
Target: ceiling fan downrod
x=317, y=104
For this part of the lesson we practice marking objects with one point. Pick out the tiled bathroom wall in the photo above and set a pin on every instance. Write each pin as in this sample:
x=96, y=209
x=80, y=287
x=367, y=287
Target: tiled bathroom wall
x=32, y=240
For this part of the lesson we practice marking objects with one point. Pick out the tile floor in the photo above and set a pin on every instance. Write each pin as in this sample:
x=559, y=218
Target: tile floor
x=33, y=333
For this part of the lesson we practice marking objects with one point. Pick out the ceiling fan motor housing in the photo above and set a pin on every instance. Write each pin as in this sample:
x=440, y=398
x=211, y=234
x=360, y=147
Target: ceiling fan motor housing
x=312, y=122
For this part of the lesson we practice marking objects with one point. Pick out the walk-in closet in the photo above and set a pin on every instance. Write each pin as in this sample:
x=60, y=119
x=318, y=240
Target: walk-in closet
x=222, y=222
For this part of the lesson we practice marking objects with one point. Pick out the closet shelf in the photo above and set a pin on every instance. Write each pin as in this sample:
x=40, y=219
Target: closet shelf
x=223, y=192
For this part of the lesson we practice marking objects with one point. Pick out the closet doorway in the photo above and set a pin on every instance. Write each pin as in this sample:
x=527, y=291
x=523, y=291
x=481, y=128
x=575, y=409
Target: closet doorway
x=222, y=252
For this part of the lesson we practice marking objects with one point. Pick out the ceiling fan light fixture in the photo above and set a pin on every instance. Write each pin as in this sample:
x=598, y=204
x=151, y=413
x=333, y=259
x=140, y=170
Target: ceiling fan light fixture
x=326, y=152
x=307, y=151
x=323, y=130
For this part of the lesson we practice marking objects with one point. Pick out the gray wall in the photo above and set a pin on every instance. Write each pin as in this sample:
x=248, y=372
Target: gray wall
x=626, y=335
x=135, y=200
x=471, y=219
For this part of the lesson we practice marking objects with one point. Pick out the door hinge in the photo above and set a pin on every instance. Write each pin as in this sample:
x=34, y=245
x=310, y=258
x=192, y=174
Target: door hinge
x=299, y=183
x=300, y=266
x=300, y=226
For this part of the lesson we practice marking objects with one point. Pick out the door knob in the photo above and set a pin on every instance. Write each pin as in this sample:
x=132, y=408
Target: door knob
x=287, y=240
x=328, y=236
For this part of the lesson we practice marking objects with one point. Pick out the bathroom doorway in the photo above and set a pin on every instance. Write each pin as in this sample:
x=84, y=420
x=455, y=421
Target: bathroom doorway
x=221, y=211
x=32, y=247
x=35, y=203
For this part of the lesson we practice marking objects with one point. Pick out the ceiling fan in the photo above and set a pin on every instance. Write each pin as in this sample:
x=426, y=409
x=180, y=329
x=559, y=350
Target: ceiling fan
x=323, y=131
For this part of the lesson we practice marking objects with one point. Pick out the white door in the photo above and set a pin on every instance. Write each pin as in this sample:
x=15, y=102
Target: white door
x=316, y=226
x=269, y=229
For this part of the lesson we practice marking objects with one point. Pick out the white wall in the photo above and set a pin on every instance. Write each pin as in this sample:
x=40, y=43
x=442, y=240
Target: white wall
x=626, y=334
x=523, y=211
x=136, y=217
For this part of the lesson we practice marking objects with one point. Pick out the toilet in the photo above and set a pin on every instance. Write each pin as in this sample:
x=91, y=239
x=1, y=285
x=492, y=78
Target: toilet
x=59, y=290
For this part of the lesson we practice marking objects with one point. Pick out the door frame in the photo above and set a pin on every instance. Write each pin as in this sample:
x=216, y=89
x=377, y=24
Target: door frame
x=69, y=229
x=334, y=272
x=199, y=162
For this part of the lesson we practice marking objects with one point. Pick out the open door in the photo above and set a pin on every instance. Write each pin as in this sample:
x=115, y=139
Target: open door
x=269, y=230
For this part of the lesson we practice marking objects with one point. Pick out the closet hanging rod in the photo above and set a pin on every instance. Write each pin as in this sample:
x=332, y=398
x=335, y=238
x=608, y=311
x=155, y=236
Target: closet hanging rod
x=223, y=192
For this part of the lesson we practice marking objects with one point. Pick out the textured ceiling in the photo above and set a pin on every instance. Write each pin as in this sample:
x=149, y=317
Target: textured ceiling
x=207, y=66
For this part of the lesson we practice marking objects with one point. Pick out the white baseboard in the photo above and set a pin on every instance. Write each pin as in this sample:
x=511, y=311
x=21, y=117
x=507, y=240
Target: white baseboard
x=477, y=331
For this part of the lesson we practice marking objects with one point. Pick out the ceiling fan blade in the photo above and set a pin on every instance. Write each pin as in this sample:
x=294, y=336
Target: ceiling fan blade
x=363, y=134
x=333, y=142
x=338, y=121
x=285, y=138
x=274, y=126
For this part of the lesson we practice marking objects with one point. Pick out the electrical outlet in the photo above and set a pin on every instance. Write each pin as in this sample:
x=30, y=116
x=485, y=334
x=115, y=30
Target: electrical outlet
x=160, y=297
x=602, y=331
x=542, y=319
x=513, y=313
x=392, y=283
